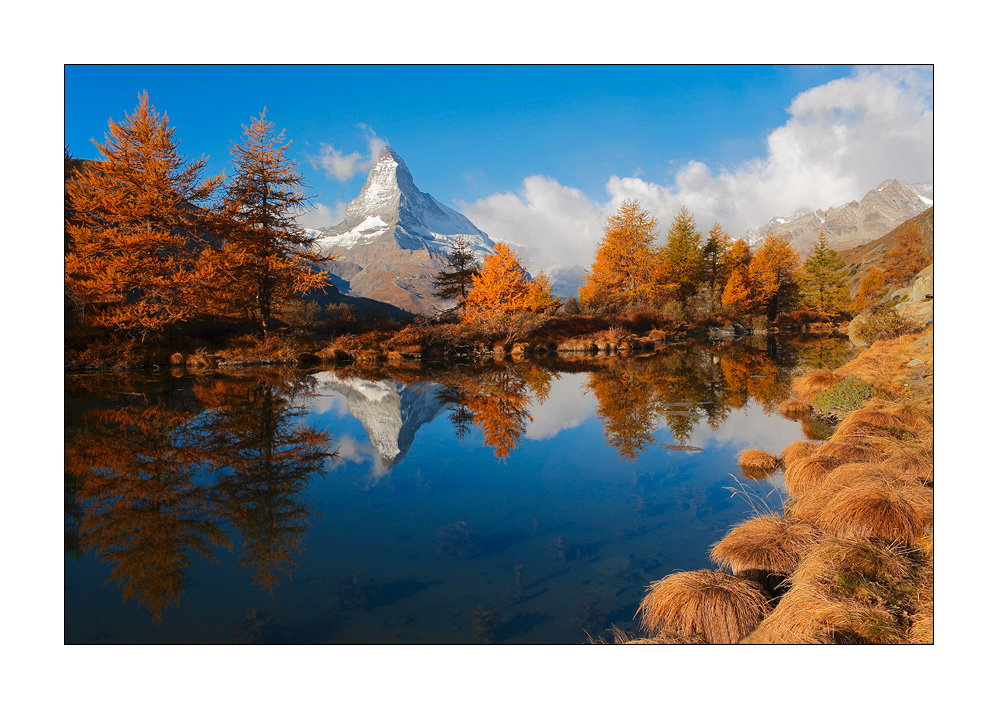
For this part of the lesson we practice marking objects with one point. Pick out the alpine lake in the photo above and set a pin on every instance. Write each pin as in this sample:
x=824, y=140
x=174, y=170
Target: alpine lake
x=507, y=502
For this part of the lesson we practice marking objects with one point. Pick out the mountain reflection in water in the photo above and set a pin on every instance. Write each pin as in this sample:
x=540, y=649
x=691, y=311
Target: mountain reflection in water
x=544, y=500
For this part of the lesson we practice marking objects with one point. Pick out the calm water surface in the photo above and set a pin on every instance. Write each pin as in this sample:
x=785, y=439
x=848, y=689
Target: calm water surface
x=505, y=503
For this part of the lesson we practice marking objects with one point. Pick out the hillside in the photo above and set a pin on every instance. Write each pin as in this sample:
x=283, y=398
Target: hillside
x=853, y=224
x=859, y=259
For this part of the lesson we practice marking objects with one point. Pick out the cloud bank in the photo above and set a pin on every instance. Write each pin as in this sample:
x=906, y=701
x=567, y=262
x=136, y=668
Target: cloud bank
x=841, y=140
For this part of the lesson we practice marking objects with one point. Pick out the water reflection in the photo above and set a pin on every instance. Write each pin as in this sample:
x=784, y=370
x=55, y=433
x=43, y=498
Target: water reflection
x=512, y=500
x=153, y=478
x=635, y=397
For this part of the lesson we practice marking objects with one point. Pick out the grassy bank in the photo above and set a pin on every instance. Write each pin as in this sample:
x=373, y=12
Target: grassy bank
x=849, y=558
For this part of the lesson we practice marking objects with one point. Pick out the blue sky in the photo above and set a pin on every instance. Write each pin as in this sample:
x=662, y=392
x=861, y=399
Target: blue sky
x=540, y=155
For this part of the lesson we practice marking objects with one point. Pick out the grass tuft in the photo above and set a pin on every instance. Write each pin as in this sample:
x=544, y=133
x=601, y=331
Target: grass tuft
x=717, y=606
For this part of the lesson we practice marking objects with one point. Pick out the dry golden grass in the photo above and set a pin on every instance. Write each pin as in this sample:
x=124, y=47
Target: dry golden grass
x=718, y=606
x=884, y=363
x=806, y=474
x=875, y=510
x=853, y=450
x=806, y=386
x=868, y=489
x=766, y=543
x=878, y=562
x=906, y=480
x=761, y=460
x=922, y=619
x=795, y=409
x=810, y=614
x=837, y=595
x=798, y=450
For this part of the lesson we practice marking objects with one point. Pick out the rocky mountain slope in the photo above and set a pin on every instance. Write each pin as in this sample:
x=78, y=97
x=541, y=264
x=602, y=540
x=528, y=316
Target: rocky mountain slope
x=880, y=210
x=859, y=259
x=394, y=239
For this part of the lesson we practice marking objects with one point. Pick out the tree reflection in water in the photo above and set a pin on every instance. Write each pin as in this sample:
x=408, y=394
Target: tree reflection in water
x=163, y=472
x=155, y=475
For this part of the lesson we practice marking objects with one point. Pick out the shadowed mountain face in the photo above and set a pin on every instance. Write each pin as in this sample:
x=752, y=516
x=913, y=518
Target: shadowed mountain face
x=391, y=412
x=394, y=239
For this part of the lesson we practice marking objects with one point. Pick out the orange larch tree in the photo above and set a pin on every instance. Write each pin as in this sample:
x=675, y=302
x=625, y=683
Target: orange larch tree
x=274, y=259
x=906, y=258
x=623, y=273
x=501, y=288
x=539, y=297
x=136, y=241
x=872, y=288
x=739, y=296
x=775, y=273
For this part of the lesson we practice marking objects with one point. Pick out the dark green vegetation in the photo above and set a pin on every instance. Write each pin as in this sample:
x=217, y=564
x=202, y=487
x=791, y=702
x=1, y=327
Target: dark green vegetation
x=848, y=395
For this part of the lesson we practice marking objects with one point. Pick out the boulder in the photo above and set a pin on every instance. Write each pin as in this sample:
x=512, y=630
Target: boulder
x=853, y=330
x=918, y=306
x=722, y=333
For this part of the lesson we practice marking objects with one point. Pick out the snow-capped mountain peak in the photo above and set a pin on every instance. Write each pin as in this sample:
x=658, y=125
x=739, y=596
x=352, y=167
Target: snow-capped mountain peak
x=390, y=199
x=394, y=239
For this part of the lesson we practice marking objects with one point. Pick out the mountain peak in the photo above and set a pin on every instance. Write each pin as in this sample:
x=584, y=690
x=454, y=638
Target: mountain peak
x=394, y=239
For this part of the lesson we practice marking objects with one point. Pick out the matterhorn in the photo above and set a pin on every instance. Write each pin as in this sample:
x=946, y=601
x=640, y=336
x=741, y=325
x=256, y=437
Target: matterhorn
x=395, y=239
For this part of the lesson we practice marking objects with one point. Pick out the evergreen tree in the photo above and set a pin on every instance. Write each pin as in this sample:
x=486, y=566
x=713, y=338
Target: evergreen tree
x=273, y=258
x=456, y=281
x=775, y=273
x=716, y=257
x=824, y=281
x=623, y=271
x=683, y=256
x=135, y=253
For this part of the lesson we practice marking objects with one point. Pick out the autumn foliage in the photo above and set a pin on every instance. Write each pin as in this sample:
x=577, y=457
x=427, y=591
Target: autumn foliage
x=137, y=241
x=623, y=273
x=270, y=258
x=502, y=288
x=152, y=247
x=906, y=258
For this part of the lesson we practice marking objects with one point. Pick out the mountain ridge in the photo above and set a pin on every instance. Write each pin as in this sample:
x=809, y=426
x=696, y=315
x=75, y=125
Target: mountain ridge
x=854, y=223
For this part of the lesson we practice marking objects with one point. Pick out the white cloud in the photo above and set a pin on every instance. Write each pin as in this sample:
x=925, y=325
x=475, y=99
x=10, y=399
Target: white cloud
x=342, y=166
x=559, y=225
x=842, y=139
x=321, y=215
x=563, y=409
